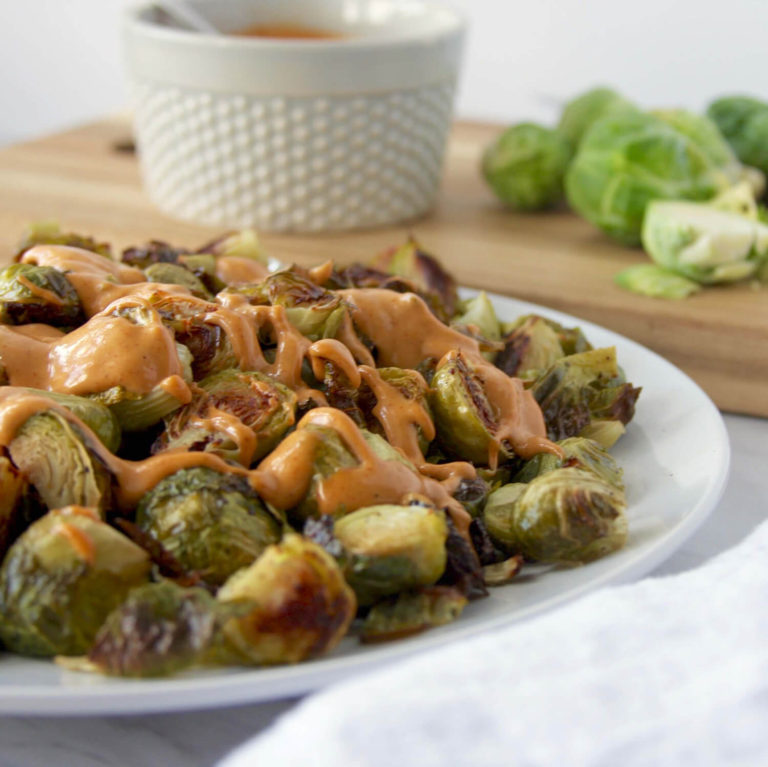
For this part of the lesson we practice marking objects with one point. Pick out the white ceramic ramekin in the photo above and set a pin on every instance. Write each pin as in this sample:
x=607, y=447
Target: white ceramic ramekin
x=295, y=135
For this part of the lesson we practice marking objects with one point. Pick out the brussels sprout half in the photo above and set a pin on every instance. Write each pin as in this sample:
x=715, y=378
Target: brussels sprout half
x=212, y=523
x=49, y=233
x=175, y=274
x=41, y=294
x=60, y=580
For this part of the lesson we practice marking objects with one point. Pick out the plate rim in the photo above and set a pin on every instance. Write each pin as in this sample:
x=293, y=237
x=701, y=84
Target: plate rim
x=220, y=688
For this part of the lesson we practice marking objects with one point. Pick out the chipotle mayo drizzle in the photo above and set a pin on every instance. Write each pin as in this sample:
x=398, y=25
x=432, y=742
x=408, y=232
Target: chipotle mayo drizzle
x=238, y=269
x=47, y=295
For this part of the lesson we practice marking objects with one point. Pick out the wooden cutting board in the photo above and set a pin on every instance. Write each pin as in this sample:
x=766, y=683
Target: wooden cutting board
x=719, y=337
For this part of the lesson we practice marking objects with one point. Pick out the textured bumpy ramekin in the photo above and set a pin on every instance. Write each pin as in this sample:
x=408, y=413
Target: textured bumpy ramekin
x=295, y=135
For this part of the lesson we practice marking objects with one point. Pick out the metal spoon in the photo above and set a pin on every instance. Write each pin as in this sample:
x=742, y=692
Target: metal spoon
x=188, y=18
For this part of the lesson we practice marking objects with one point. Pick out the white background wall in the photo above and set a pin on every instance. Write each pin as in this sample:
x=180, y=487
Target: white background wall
x=60, y=60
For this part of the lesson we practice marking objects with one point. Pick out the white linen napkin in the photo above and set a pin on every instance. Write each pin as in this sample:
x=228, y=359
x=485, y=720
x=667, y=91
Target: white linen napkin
x=666, y=671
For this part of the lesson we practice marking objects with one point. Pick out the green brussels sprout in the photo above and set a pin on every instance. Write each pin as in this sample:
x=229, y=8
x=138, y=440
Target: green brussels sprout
x=525, y=166
x=58, y=459
x=174, y=274
x=579, y=113
x=239, y=244
x=300, y=605
x=740, y=199
x=411, y=612
x=581, y=387
x=703, y=243
x=42, y=294
x=60, y=580
x=744, y=123
x=655, y=281
x=530, y=348
x=628, y=159
x=430, y=280
x=161, y=628
x=580, y=452
x=465, y=419
x=479, y=312
x=391, y=548
x=49, y=233
x=212, y=523
x=566, y=516
x=236, y=414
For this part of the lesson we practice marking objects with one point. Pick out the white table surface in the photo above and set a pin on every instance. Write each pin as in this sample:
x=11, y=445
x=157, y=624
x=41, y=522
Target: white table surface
x=198, y=739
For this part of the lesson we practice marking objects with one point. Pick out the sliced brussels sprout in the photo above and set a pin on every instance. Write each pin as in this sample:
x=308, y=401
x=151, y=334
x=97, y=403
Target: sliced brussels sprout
x=703, y=243
x=656, y=282
x=412, y=612
x=239, y=244
x=479, y=311
x=525, y=166
x=239, y=415
x=581, y=387
x=174, y=274
x=392, y=548
x=49, y=233
x=56, y=457
x=579, y=113
x=212, y=523
x=160, y=629
x=41, y=294
x=740, y=198
x=567, y=516
x=744, y=123
x=605, y=432
x=300, y=605
x=425, y=272
x=471, y=494
x=501, y=573
x=60, y=580
x=203, y=266
x=530, y=348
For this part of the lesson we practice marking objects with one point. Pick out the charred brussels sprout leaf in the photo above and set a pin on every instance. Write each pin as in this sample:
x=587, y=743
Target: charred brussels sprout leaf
x=57, y=459
x=154, y=252
x=49, y=233
x=61, y=579
x=391, y=548
x=530, y=348
x=566, y=516
x=412, y=612
x=41, y=294
x=212, y=523
x=300, y=606
x=471, y=494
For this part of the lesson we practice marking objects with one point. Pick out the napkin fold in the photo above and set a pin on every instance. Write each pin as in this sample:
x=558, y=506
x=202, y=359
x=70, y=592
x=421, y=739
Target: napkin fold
x=666, y=671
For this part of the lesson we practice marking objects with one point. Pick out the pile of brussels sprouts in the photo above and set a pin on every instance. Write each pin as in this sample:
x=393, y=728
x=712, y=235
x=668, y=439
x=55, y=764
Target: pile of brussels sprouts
x=203, y=571
x=683, y=185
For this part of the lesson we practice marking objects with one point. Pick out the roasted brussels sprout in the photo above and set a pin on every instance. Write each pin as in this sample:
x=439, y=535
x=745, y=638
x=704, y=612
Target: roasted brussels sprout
x=392, y=548
x=58, y=459
x=529, y=349
x=566, y=516
x=410, y=612
x=60, y=580
x=655, y=281
x=212, y=523
x=12, y=488
x=175, y=274
x=703, y=243
x=581, y=387
x=478, y=312
x=581, y=112
x=49, y=233
x=627, y=159
x=300, y=605
x=525, y=166
x=744, y=123
x=41, y=294
x=238, y=415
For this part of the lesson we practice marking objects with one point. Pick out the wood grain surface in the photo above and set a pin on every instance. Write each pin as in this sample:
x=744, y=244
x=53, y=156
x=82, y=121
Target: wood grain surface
x=719, y=337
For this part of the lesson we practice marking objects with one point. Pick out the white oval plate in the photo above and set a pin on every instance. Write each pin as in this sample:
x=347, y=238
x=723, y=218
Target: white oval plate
x=675, y=456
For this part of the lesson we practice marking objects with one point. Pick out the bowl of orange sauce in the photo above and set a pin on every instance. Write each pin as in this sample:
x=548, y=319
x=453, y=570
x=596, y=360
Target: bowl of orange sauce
x=300, y=115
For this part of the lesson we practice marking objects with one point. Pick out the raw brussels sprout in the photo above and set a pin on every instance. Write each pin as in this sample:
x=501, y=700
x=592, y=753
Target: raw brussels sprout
x=655, y=282
x=411, y=612
x=582, y=387
x=41, y=294
x=212, y=523
x=224, y=405
x=703, y=243
x=300, y=605
x=566, y=516
x=175, y=274
x=740, y=199
x=579, y=113
x=432, y=282
x=57, y=458
x=60, y=580
x=525, y=166
x=49, y=233
x=392, y=548
x=160, y=629
x=626, y=160
x=744, y=123
x=580, y=452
